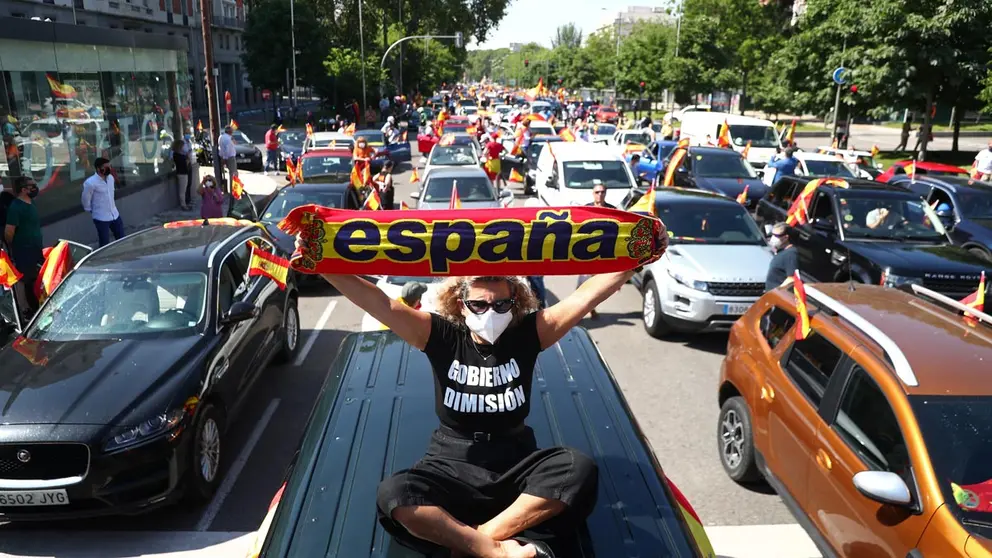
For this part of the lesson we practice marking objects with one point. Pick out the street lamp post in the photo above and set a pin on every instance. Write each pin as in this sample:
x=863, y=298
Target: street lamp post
x=292, y=40
x=361, y=40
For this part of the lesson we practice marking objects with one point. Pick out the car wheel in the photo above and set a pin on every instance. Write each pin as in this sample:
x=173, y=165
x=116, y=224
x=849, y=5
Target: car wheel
x=735, y=442
x=290, y=331
x=205, y=455
x=654, y=321
x=981, y=253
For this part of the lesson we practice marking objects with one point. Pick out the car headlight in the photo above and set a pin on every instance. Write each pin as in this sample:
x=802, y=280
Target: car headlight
x=688, y=281
x=151, y=428
x=892, y=280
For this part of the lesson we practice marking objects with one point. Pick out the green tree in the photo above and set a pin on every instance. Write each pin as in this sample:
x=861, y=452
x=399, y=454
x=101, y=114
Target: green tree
x=567, y=36
x=642, y=53
x=268, y=50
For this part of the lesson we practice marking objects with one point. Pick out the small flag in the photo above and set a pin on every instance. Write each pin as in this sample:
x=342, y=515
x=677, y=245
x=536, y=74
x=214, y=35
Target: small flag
x=673, y=164
x=799, y=290
x=237, y=188
x=404, y=206
x=414, y=176
x=742, y=198
x=280, y=129
x=874, y=151
x=309, y=129
x=566, y=134
x=835, y=143
x=515, y=176
x=973, y=173
x=234, y=124
x=790, y=136
x=472, y=130
x=976, y=299
x=60, y=90
x=446, y=140
x=9, y=276
x=268, y=265
x=58, y=264
x=350, y=129
x=373, y=202
x=911, y=170
x=456, y=202
x=31, y=349
x=403, y=136
x=291, y=171
x=199, y=125
x=747, y=149
x=646, y=205
x=723, y=137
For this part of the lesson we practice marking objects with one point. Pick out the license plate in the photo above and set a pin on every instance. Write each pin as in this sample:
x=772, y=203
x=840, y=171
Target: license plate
x=34, y=498
x=242, y=159
x=735, y=309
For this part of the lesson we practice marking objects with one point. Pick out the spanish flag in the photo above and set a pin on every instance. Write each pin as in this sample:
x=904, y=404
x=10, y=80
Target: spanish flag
x=799, y=290
x=291, y=171
x=471, y=130
x=360, y=174
x=373, y=202
x=9, y=276
x=747, y=149
x=59, y=89
x=403, y=136
x=280, y=129
x=456, y=202
x=645, y=205
x=233, y=124
x=976, y=299
x=835, y=143
x=517, y=150
x=677, y=157
x=742, y=198
x=414, y=176
x=911, y=170
x=31, y=349
x=58, y=264
x=350, y=129
x=799, y=211
x=692, y=520
x=790, y=136
x=723, y=137
x=446, y=140
x=309, y=129
x=404, y=206
x=874, y=151
x=515, y=176
x=237, y=188
x=199, y=126
x=268, y=265
x=566, y=134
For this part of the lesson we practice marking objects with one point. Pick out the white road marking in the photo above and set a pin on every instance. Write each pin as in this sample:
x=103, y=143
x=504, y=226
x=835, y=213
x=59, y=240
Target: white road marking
x=762, y=541
x=100, y=544
x=302, y=356
x=232, y=473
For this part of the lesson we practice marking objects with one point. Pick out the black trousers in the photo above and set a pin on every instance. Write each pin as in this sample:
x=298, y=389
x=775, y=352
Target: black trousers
x=475, y=481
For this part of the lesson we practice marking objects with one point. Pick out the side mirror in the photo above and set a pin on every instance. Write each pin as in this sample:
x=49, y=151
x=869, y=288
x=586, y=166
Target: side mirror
x=883, y=487
x=823, y=225
x=505, y=194
x=415, y=195
x=552, y=183
x=239, y=312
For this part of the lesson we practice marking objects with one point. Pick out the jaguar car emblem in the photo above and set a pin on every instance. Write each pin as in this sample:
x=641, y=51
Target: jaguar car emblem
x=23, y=456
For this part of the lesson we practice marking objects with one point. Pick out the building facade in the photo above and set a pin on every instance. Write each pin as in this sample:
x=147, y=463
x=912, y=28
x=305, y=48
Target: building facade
x=625, y=20
x=177, y=18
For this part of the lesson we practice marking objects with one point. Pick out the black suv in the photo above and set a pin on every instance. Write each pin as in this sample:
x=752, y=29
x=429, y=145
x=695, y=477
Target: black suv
x=968, y=215
x=872, y=232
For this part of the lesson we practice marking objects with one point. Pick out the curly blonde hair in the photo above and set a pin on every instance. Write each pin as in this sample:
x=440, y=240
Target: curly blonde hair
x=455, y=289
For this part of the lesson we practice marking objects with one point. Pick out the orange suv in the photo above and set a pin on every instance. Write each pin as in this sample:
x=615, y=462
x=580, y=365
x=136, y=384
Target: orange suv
x=876, y=430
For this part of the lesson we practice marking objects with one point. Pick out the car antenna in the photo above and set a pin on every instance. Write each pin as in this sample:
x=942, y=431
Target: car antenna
x=850, y=274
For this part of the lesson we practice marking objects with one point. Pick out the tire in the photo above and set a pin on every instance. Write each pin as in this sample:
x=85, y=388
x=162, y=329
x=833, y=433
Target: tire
x=204, y=471
x=981, y=253
x=290, y=332
x=651, y=314
x=735, y=443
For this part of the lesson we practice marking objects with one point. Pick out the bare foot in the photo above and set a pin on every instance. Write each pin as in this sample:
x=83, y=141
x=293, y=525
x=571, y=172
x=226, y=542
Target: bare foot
x=513, y=549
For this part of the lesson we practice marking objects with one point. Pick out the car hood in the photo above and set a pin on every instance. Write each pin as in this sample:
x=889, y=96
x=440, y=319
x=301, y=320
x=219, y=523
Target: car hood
x=919, y=260
x=93, y=382
x=294, y=149
x=242, y=149
x=722, y=263
x=732, y=187
x=465, y=205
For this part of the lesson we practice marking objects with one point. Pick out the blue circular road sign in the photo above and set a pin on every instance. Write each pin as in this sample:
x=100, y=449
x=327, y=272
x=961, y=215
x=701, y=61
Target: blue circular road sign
x=838, y=75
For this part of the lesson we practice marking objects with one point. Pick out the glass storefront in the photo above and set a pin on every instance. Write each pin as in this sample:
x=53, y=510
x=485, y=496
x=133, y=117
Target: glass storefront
x=64, y=105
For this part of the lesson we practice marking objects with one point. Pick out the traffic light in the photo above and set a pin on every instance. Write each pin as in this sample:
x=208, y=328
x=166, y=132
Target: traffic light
x=642, y=86
x=526, y=62
x=854, y=89
x=458, y=39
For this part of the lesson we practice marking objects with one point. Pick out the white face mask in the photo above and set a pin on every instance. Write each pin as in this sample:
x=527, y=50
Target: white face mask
x=489, y=325
x=775, y=242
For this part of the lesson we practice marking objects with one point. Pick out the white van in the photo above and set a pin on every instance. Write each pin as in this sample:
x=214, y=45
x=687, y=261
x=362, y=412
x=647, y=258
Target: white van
x=764, y=139
x=568, y=171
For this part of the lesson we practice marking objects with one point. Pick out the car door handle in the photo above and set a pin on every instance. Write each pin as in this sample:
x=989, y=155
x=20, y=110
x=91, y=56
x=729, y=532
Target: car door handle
x=823, y=459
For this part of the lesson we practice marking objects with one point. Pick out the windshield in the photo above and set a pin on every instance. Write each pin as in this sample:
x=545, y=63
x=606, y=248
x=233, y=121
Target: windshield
x=957, y=431
x=291, y=198
x=890, y=217
x=292, y=139
x=334, y=143
x=541, y=128
x=534, y=149
x=721, y=165
x=758, y=135
x=240, y=138
x=829, y=168
x=586, y=174
x=453, y=155
x=710, y=223
x=605, y=130
x=467, y=103
x=321, y=166
x=455, y=127
x=374, y=138
x=121, y=304
x=470, y=189
x=664, y=150
x=642, y=139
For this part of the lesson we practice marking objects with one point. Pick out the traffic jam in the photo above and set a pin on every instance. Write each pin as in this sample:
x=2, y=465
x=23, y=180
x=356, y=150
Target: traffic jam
x=846, y=300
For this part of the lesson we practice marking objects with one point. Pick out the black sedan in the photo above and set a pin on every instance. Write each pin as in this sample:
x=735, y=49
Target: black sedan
x=249, y=157
x=274, y=207
x=721, y=171
x=291, y=145
x=117, y=396
x=963, y=205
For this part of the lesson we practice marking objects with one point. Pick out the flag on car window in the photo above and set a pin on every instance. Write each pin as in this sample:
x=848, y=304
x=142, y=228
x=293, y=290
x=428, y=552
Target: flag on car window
x=566, y=134
x=414, y=176
x=696, y=528
x=645, y=205
x=911, y=170
x=269, y=265
x=403, y=205
x=373, y=202
x=31, y=349
x=456, y=202
x=291, y=172
x=233, y=124
x=742, y=198
x=723, y=138
x=680, y=152
x=747, y=149
x=309, y=129
x=799, y=290
x=874, y=151
x=237, y=188
x=9, y=276
x=976, y=299
x=58, y=264
x=515, y=176
x=199, y=126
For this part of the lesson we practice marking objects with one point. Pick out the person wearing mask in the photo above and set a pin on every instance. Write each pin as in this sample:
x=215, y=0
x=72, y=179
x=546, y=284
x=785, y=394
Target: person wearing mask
x=22, y=235
x=213, y=198
x=228, y=155
x=390, y=130
x=362, y=155
x=785, y=165
x=493, y=150
x=786, y=260
x=384, y=184
x=272, y=149
x=598, y=200
x=184, y=176
x=98, y=201
x=983, y=163
x=483, y=480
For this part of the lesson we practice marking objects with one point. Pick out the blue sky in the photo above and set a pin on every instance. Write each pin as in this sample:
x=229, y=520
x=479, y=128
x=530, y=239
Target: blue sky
x=535, y=20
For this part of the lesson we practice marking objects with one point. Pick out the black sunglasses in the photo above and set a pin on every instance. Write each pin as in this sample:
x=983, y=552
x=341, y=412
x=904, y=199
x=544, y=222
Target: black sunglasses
x=501, y=306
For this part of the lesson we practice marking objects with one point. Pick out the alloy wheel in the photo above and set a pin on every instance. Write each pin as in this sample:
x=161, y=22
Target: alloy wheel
x=732, y=435
x=209, y=450
x=649, y=306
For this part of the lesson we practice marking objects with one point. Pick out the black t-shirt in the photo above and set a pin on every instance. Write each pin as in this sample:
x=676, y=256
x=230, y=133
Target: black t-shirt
x=783, y=265
x=482, y=388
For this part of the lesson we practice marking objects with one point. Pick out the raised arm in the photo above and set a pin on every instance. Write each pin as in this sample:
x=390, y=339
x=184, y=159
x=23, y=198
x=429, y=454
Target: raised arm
x=554, y=322
x=413, y=326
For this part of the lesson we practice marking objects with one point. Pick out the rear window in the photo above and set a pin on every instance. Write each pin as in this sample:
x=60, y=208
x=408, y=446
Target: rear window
x=321, y=166
x=811, y=363
x=775, y=323
x=586, y=174
x=470, y=189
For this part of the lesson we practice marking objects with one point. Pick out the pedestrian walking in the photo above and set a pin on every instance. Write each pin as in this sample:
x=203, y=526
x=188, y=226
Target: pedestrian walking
x=98, y=201
x=228, y=154
x=184, y=174
x=213, y=198
x=272, y=149
x=22, y=233
x=907, y=127
x=983, y=163
x=384, y=184
x=784, y=166
x=384, y=108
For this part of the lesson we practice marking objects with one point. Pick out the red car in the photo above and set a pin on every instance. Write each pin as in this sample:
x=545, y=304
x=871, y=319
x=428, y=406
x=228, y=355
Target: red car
x=608, y=115
x=922, y=167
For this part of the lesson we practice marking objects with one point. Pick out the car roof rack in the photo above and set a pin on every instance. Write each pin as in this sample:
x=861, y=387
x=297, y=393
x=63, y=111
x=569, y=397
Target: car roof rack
x=903, y=370
x=969, y=311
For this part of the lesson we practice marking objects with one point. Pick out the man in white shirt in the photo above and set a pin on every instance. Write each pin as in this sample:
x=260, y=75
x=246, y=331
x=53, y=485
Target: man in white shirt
x=228, y=155
x=98, y=201
x=983, y=163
